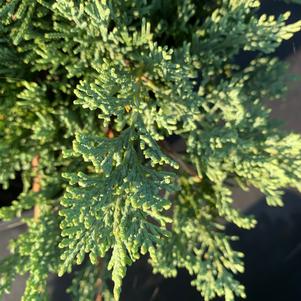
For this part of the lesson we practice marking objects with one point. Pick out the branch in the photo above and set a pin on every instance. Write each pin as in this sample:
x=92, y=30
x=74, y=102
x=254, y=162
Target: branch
x=189, y=169
x=99, y=282
x=36, y=185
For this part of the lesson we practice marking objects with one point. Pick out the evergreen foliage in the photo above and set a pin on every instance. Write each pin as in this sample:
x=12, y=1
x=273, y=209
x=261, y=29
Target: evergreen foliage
x=92, y=89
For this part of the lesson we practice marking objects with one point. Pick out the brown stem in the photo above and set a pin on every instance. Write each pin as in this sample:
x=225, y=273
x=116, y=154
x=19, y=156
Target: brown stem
x=36, y=185
x=99, y=294
x=110, y=133
x=99, y=281
x=149, y=83
x=189, y=169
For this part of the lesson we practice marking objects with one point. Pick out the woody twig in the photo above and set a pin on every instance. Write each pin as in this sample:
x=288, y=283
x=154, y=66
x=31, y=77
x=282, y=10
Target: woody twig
x=36, y=185
x=189, y=169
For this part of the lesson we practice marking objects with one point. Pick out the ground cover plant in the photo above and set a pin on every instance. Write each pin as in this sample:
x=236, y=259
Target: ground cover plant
x=91, y=95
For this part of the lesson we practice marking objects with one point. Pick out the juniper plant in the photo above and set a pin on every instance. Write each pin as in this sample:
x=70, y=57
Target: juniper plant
x=90, y=93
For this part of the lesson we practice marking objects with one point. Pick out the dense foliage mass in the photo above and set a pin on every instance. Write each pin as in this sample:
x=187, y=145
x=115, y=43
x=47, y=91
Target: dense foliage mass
x=90, y=93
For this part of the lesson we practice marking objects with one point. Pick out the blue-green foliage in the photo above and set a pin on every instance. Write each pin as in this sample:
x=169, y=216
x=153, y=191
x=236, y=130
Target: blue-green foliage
x=93, y=88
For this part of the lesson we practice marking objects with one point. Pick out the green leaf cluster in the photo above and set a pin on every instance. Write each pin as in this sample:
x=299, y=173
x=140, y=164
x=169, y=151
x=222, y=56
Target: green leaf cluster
x=94, y=89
